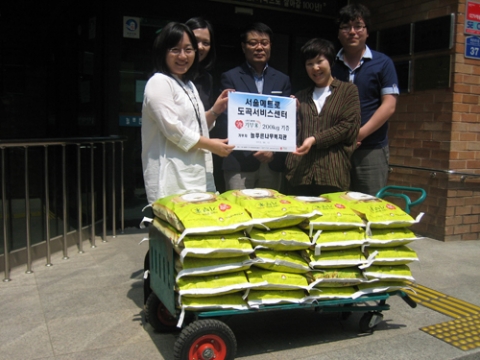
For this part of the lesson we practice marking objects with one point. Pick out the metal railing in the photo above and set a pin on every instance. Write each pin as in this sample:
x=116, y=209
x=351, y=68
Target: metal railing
x=434, y=172
x=76, y=166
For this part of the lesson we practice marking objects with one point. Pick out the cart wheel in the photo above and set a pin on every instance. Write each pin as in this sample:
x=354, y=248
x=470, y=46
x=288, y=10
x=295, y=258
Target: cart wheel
x=369, y=320
x=158, y=316
x=205, y=340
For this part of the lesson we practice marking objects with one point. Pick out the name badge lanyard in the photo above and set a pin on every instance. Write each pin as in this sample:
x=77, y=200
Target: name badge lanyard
x=194, y=104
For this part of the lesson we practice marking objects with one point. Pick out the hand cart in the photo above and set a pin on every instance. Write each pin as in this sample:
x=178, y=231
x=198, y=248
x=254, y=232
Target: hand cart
x=203, y=336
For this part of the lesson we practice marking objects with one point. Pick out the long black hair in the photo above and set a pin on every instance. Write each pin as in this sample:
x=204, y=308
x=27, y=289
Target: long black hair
x=200, y=23
x=168, y=38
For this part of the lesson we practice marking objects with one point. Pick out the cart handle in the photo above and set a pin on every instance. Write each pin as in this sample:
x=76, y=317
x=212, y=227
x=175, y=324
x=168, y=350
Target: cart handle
x=408, y=203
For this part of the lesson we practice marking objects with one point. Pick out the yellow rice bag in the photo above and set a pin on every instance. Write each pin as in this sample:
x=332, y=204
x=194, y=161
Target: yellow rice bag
x=220, y=302
x=399, y=255
x=257, y=298
x=332, y=215
x=377, y=212
x=215, y=245
x=282, y=261
x=205, y=245
x=337, y=258
x=286, y=239
x=270, y=207
x=202, y=213
x=212, y=266
x=204, y=286
x=339, y=277
x=391, y=237
x=338, y=239
x=389, y=273
x=330, y=293
x=379, y=287
x=272, y=280
x=167, y=230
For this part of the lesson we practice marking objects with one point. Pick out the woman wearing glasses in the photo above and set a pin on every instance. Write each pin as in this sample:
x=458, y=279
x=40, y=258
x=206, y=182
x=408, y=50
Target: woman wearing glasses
x=176, y=147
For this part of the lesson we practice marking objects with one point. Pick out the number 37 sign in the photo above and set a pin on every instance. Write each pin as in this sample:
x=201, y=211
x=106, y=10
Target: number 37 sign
x=261, y=122
x=472, y=47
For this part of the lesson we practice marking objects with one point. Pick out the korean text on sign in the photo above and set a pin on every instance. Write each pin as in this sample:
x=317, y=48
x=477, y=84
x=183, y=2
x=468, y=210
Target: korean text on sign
x=261, y=122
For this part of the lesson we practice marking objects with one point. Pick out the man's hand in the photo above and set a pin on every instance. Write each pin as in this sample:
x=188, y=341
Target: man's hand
x=264, y=156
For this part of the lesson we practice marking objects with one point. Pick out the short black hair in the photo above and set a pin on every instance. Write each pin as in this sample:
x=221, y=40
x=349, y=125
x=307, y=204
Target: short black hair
x=354, y=12
x=168, y=38
x=315, y=47
x=200, y=23
x=258, y=27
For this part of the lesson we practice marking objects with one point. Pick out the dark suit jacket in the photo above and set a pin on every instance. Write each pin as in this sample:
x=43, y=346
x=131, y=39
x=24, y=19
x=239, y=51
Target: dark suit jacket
x=241, y=79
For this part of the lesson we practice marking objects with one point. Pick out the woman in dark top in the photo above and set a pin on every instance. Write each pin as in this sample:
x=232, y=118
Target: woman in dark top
x=203, y=31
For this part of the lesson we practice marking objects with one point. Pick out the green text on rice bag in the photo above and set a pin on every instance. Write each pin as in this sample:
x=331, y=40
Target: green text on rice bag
x=201, y=210
x=377, y=212
x=273, y=208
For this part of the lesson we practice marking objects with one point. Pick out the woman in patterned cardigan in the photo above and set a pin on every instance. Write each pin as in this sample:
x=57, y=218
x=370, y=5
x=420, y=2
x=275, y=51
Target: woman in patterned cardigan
x=328, y=121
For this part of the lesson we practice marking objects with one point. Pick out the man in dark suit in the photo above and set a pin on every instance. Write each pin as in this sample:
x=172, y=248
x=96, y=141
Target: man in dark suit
x=249, y=169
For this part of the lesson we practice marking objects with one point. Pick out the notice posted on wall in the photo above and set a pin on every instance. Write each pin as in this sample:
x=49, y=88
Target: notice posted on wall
x=261, y=122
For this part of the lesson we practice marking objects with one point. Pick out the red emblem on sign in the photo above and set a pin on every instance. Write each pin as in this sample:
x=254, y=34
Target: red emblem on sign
x=239, y=124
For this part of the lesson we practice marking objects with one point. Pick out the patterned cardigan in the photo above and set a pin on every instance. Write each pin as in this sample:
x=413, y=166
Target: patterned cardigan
x=335, y=130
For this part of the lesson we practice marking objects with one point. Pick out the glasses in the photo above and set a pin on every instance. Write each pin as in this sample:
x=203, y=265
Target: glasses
x=177, y=51
x=356, y=28
x=255, y=43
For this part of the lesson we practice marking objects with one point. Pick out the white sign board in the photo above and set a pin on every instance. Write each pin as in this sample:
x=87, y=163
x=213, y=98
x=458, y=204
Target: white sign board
x=261, y=122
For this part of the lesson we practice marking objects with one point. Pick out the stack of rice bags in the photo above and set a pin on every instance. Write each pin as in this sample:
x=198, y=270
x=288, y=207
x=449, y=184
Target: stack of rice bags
x=336, y=255
x=278, y=274
x=211, y=252
x=386, y=233
x=254, y=247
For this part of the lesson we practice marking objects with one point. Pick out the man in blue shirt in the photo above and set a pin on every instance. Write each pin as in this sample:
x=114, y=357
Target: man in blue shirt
x=376, y=79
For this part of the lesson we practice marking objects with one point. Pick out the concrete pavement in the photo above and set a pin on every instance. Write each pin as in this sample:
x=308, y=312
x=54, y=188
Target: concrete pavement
x=91, y=307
